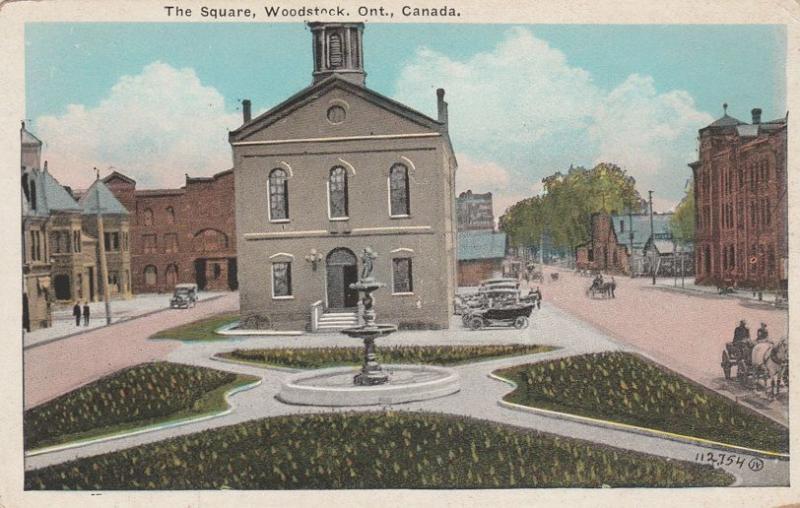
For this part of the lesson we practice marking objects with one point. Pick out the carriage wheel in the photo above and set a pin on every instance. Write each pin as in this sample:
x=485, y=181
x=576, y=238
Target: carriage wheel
x=465, y=319
x=726, y=365
x=476, y=323
x=521, y=322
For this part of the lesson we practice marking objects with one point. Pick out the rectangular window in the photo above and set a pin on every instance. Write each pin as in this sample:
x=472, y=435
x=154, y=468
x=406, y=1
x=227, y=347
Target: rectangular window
x=401, y=276
x=281, y=280
x=149, y=242
x=111, y=241
x=125, y=240
x=171, y=242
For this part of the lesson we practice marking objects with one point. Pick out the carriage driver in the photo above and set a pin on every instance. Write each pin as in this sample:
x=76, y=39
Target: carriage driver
x=741, y=333
x=762, y=333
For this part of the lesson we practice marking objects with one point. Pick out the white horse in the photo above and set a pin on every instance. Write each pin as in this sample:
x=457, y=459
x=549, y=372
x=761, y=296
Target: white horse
x=770, y=361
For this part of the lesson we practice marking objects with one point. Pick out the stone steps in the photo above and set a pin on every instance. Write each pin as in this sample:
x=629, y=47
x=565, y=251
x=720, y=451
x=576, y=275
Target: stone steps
x=337, y=320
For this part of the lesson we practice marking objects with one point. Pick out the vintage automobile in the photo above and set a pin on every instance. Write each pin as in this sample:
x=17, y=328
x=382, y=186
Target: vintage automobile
x=184, y=296
x=515, y=315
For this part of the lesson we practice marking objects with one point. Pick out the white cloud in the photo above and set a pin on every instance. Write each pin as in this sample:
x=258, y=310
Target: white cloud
x=154, y=127
x=523, y=107
x=480, y=176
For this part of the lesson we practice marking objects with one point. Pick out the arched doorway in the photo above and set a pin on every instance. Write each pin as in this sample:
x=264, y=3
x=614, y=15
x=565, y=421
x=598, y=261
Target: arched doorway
x=171, y=275
x=62, y=287
x=341, y=267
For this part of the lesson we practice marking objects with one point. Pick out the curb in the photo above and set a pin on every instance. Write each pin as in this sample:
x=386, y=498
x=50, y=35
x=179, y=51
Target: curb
x=120, y=321
x=144, y=430
x=631, y=428
x=228, y=331
x=255, y=365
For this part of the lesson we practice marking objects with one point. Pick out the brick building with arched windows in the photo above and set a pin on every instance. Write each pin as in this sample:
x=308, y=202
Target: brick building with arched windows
x=741, y=210
x=180, y=235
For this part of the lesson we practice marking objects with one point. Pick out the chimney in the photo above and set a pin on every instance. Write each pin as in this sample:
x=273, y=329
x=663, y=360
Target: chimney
x=246, y=110
x=756, y=112
x=441, y=105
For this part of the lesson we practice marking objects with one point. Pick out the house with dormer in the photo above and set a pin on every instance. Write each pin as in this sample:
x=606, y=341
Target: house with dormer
x=332, y=170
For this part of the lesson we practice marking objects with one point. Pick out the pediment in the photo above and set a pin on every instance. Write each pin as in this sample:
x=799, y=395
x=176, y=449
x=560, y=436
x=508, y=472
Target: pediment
x=357, y=111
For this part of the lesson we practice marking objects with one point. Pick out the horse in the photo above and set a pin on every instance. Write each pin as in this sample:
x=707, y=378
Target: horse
x=771, y=361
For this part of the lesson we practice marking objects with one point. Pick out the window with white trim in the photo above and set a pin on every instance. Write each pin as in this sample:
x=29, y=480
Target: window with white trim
x=281, y=280
x=402, y=280
x=278, y=195
x=398, y=190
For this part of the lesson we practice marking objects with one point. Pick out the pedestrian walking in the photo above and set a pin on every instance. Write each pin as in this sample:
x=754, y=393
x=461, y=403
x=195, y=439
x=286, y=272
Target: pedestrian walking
x=86, y=314
x=76, y=311
x=538, y=293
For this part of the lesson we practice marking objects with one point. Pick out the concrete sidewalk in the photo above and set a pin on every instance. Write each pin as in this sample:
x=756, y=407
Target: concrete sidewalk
x=121, y=310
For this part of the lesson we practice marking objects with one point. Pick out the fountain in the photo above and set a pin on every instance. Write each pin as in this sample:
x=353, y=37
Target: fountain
x=372, y=384
x=371, y=371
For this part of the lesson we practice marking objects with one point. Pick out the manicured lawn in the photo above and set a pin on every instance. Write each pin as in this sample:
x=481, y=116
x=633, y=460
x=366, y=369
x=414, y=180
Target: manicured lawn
x=625, y=388
x=314, y=358
x=198, y=330
x=136, y=397
x=370, y=450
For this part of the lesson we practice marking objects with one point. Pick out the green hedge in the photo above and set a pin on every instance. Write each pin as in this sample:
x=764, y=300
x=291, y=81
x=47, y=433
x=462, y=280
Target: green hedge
x=136, y=396
x=625, y=388
x=314, y=358
x=203, y=329
x=370, y=450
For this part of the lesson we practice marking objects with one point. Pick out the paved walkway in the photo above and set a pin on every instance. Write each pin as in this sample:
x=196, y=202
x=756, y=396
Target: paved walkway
x=685, y=332
x=58, y=367
x=121, y=310
x=478, y=397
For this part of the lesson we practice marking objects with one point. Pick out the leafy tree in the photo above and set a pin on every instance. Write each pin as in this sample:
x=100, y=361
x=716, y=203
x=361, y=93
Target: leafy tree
x=564, y=211
x=682, y=222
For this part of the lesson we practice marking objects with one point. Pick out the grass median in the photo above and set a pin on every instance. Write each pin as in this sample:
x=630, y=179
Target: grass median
x=624, y=388
x=373, y=450
x=201, y=330
x=133, y=398
x=321, y=357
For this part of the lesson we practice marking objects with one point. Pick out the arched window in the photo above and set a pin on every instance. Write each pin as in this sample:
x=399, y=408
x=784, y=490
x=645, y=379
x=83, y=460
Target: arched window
x=278, y=195
x=147, y=217
x=337, y=193
x=398, y=190
x=210, y=240
x=335, y=51
x=150, y=275
x=170, y=215
x=171, y=275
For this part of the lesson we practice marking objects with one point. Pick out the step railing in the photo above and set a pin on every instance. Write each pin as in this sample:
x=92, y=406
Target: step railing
x=316, y=313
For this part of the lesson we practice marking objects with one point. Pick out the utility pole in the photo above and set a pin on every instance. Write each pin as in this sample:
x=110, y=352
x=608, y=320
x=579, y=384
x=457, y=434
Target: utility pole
x=652, y=238
x=101, y=244
x=630, y=239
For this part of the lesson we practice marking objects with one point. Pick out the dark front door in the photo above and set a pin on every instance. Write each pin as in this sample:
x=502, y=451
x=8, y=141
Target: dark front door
x=200, y=273
x=61, y=282
x=233, y=278
x=342, y=270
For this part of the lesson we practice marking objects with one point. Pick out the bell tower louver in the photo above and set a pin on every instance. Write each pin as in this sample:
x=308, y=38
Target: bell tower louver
x=338, y=50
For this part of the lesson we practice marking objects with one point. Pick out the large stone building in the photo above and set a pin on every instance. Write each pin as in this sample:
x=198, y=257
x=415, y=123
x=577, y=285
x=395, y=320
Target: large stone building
x=332, y=170
x=181, y=235
x=474, y=211
x=740, y=184
x=60, y=252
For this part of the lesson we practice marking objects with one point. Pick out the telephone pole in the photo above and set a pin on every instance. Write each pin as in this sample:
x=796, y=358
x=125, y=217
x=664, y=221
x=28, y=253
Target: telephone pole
x=101, y=244
x=652, y=239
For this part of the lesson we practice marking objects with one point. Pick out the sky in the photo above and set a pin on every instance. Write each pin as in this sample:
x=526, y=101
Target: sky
x=155, y=101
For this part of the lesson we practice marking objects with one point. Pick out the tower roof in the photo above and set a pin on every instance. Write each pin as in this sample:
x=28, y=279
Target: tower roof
x=108, y=203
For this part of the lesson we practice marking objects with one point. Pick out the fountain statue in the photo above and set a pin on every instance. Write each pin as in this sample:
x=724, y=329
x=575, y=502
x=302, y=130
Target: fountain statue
x=371, y=371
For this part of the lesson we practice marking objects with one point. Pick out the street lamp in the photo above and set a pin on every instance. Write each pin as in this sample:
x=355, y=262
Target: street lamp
x=314, y=257
x=652, y=239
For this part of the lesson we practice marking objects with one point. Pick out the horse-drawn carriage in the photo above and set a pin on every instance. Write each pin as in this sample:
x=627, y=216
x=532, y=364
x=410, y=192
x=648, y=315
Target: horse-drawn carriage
x=603, y=288
x=763, y=362
x=497, y=302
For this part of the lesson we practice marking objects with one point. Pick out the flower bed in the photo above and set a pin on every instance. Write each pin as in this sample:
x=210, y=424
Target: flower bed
x=370, y=450
x=314, y=358
x=203, y=329
x=624, y=388
x=135, y=397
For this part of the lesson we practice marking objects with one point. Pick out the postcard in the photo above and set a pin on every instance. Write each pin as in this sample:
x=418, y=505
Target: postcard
x=462, y=254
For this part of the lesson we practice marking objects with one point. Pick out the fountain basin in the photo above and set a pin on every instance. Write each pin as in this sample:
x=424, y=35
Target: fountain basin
x=373, y=331
x=334, y=387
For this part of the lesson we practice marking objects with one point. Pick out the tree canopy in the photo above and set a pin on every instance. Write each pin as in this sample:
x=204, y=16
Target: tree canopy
x=682, y=222
x=563, y=211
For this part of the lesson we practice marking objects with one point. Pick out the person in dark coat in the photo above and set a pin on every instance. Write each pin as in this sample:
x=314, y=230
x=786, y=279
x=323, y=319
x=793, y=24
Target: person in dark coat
x=86, y=314
x=76, y=311
x=762, y=333
x=538, y=294
x=741, y=333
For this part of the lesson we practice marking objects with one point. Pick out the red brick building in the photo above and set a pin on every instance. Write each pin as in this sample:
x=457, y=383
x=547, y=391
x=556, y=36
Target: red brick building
x=180, y=235
x=604, y=251
x=741, y=213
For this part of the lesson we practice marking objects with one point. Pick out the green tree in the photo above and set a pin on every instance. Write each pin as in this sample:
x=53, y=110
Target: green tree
x=564, y=210
x=682, y=222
